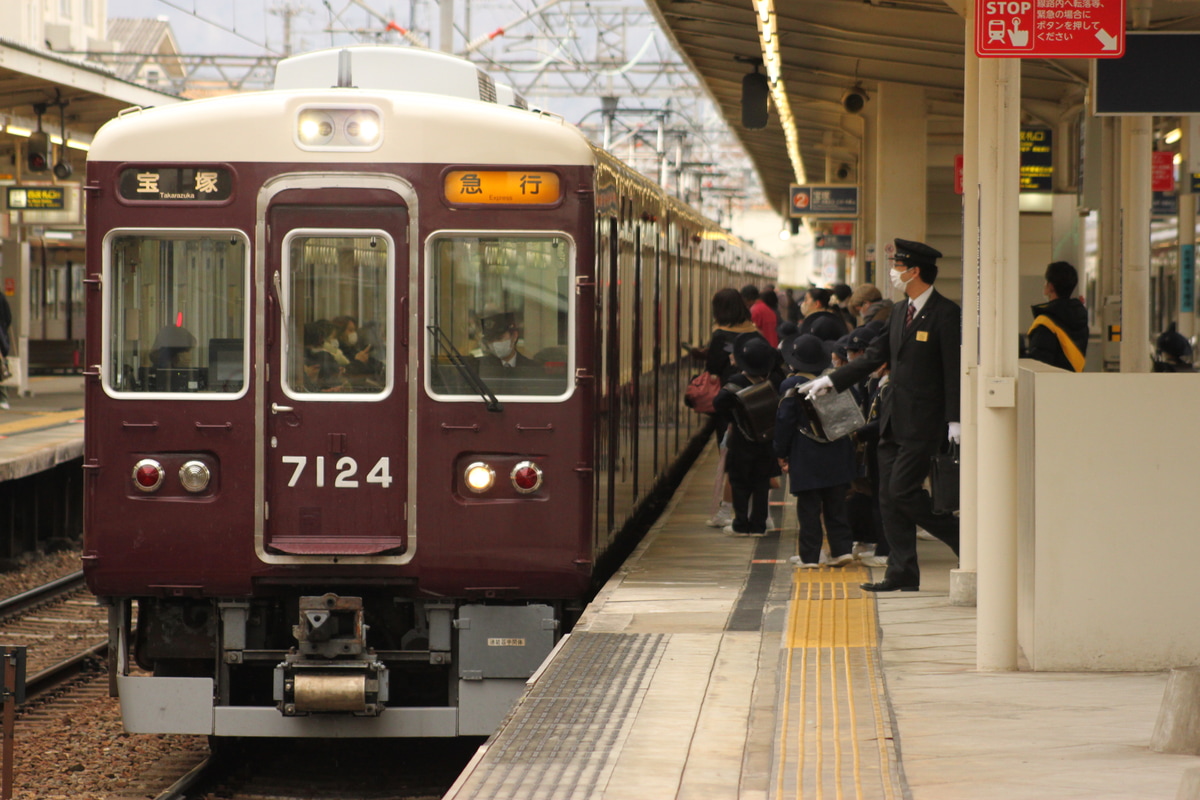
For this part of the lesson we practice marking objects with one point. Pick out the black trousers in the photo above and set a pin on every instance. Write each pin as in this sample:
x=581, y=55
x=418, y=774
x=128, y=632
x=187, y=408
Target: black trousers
x=809, y=504
x=904, y=504
x=750, y=503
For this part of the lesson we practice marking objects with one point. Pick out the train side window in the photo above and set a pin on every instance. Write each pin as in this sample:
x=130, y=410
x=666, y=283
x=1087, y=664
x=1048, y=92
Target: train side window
x=338, y=312
x=172, y=297
x=503, y=301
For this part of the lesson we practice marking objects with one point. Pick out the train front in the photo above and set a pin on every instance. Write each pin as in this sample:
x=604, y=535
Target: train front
x=339, y=402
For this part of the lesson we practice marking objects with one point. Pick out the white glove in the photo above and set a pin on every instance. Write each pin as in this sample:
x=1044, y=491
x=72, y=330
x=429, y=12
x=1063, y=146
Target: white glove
x=955, y=432
x=820, y=386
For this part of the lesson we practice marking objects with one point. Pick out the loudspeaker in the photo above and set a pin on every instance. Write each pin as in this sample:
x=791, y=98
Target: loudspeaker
x=755, y=91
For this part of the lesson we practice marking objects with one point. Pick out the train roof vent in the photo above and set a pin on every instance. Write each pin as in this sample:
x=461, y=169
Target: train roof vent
x=389, y=67
x=507, y=96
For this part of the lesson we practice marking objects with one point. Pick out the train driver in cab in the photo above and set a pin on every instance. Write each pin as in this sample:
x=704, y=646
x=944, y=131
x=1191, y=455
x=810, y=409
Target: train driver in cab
x=501, y=359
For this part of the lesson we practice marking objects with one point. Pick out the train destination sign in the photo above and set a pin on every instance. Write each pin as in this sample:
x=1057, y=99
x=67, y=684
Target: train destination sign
x=40, y=198
x=502, y=187
x=1050, y=28
x=174, y=184
x=828, y=200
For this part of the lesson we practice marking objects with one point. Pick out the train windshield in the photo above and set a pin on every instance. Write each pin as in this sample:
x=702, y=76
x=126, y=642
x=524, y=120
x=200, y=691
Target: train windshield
x=501, y=301
x=177, y=311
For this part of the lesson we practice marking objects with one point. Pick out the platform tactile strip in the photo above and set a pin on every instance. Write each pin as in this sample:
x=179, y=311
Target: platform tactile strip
x=834, y=731
x=561, y=739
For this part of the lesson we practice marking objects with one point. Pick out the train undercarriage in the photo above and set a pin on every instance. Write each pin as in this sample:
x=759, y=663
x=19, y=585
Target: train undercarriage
x=332, y=664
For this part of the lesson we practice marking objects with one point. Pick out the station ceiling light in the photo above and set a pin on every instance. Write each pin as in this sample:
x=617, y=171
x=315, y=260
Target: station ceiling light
x=768, y=36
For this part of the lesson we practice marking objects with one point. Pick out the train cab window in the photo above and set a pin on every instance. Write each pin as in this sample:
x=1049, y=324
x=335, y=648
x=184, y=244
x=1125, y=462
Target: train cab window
x=177, y=312
x=338, y=313
x=499, y=307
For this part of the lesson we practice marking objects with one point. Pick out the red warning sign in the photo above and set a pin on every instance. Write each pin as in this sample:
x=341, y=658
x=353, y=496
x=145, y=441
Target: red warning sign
x=1050, y=28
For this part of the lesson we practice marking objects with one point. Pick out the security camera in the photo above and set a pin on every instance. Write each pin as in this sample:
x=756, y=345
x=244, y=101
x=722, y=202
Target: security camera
x=854, y=99
x=842, y=172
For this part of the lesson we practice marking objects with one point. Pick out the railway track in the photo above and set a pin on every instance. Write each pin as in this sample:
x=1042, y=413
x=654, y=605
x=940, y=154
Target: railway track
x=411, y=769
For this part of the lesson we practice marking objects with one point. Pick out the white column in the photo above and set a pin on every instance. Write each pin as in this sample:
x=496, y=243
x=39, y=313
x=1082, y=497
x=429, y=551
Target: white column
x=900, y=169
x=1189, y=151
x=999, y=247
x=1136, y=340
x=867, y=197
x=963, y=579
x=1110, y=240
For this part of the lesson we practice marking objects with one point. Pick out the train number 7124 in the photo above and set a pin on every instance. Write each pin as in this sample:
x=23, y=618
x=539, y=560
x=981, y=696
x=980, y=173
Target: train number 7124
x=346, y=472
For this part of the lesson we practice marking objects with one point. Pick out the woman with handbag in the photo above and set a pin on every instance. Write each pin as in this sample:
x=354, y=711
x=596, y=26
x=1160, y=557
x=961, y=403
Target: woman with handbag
x=731, y=318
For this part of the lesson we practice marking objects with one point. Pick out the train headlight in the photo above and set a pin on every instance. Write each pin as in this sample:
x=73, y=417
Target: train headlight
x=526, y=477
x=148, y=475
x=479, y=477
x=362, y=129
x=315, y=128
x=194, y=475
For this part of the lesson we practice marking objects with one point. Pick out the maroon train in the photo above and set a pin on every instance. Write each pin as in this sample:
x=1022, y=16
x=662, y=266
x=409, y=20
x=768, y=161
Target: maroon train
x=377, y=374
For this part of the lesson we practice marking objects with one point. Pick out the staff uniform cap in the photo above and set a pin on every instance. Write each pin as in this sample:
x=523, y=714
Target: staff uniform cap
x=914, y=253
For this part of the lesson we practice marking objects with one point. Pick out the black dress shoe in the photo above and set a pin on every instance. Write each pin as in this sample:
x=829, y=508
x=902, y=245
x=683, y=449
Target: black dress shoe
x=886, y=585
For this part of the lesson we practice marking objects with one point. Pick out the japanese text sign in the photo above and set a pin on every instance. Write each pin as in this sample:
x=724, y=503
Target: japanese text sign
x=22, y=198
x=493, y=187
x=205, y=184
x=816, y=200
x=1050, y=28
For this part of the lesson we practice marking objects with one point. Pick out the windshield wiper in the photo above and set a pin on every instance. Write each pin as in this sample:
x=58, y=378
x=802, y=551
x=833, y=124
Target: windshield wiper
x=456, y=358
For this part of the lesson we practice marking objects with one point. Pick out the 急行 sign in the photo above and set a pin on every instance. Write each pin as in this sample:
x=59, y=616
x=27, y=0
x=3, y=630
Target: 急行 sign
x=1050, y=28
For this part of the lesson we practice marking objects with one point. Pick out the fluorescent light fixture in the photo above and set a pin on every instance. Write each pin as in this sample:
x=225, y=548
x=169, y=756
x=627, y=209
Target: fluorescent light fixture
x=1178, y=159
x=62, y=235
x=17, y=130
x=768, y=29
x=1174, y=136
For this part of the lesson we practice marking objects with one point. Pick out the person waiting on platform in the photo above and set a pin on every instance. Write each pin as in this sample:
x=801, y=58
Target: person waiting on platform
x=820, y=472
x=1173, y=352
x=922, y=342
x=818, y=319
x=1059, y=334
x=750, y=463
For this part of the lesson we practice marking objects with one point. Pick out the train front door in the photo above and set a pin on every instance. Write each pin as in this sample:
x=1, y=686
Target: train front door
x=335, y=402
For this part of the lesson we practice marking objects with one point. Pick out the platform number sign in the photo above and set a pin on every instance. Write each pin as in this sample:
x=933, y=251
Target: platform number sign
x=1050, y=28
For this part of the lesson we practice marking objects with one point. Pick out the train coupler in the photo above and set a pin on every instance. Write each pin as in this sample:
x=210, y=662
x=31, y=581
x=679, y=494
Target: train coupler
x=332, y=670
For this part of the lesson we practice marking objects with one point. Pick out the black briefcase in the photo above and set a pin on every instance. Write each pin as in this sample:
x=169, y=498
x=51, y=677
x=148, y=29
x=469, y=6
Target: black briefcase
x=943, y=480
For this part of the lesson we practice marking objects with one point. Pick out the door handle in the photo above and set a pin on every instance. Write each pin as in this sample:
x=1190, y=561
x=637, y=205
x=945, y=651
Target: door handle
x=278, y=409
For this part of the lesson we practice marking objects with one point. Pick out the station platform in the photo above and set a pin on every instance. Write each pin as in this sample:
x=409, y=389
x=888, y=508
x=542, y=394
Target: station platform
x=708, y=667
x=43, y=429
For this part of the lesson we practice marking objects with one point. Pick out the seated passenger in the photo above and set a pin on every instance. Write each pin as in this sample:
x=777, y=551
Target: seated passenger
x=321, y=335
x=362, y=367
x=322, y=373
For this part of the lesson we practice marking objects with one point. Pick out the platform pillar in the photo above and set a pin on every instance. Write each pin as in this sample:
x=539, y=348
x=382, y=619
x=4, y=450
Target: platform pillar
x=999, y=266
x=900, y=172
x=1136, y=339
x=963, y=580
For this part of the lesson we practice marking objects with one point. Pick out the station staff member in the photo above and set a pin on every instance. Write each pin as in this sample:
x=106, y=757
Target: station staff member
x=921, y=342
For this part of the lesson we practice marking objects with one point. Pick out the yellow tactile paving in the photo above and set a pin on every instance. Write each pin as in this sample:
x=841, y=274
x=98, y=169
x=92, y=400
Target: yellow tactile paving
x=834, y=732
x=40, y=420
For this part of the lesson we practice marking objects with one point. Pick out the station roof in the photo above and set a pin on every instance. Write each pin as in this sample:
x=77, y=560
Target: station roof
x=828, y=46
x=93, y=94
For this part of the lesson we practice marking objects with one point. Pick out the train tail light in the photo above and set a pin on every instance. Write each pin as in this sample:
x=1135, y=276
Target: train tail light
x=526, y=477
x=479, y=477
x=194, y=476
x=148, y=475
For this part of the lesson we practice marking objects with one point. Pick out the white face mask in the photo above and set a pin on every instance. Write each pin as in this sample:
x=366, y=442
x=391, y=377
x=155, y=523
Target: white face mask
x=501, y=348
x=897, y=279
x=352, y=338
